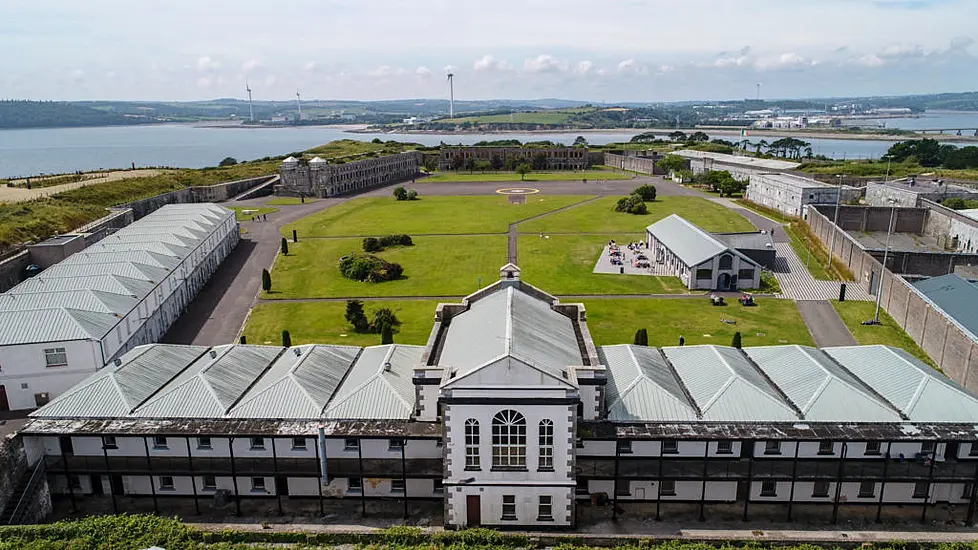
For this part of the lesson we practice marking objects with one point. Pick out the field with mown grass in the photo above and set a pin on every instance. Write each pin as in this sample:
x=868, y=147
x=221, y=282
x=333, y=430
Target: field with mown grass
x=888, y=333
x=567, y=175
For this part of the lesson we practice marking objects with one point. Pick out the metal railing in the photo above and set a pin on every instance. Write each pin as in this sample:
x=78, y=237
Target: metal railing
x=36, y=476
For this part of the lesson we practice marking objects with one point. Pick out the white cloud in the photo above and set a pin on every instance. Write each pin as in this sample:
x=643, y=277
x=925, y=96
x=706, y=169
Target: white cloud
x=490, y=63
x=543, y=63
x=386, y=70
x=204, y=82
x=870, y=60
x=901, y=50
x=309, y=67
x=784, y=61
x=206, y=64
x=626, y=65
x=584, y=67
x=423, y=71
x=738, y=61
x=450, y=69
x=250, y=65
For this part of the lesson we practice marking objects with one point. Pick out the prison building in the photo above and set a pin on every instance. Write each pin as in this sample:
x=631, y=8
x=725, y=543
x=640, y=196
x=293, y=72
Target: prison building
x=740, y=167
x=790, y=194
x=557, y=158
x=126, y=290
x=511, y=417
x=699, y=259
x=328, y=178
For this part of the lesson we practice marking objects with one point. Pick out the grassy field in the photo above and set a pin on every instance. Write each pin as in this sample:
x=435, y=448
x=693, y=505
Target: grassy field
x=814, y=254
x=252, y=211
x=771, y=322
x=888, y=333
x=440, y=177
x=430, y=215
x=352, y=147
x=434, y=266
x=323, y=323
x=563, y=264
x=775, y=215
x=599, y=217
x=288, y=201
x=867, y=167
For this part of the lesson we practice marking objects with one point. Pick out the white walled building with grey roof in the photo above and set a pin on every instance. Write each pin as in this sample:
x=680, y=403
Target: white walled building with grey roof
x=699, y=259
x=124, y=291
x=510, y=416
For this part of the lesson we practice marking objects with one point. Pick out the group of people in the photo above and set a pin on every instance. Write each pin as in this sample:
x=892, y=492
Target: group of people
x=260, y=218
x=639, y=259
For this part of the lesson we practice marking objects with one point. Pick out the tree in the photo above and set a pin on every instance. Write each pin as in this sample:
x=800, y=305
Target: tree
x=647, y=192
x=412, y=195
x=430, y=163
x=736, y=342
x=580, y=141
x=286, y=339
x=458, y=162
x=539, y=161
x=632, y=204
x=729, y=186
x=642, y=337
x=228, y=161
x=965, y=157
x=469, y=164
x=677, y=136
x=955, y=203
x=672, y=163
x=285, y=246
x=482, y=166
x=760, y=145
x=523, y=169
x=645, y=137
x=266, y=280
x=926, y=152
x=698, y=136
x=384, y=317
x=386, y=335
x=496, y=162
x=400, y=193
x=356, y=316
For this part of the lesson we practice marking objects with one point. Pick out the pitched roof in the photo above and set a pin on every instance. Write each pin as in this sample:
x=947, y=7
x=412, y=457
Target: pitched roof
x=642, y=385
x=956, y=296
x=59, y=324
x=752, y=162
x=687, y=241
x=379, y=386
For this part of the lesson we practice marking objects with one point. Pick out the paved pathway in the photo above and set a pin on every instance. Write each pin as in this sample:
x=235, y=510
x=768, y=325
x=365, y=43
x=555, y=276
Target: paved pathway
x=798, y=284
x=824, y=323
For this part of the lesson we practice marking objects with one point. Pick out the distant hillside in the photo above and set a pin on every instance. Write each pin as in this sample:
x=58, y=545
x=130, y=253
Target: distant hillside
x=40, y=114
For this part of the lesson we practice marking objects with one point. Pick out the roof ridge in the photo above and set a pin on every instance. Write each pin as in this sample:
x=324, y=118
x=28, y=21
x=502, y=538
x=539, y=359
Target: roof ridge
x=682, y=384
x=349, y=367
x=168, y=380
x=871, y=389
x=254, y=380
x=757, y=368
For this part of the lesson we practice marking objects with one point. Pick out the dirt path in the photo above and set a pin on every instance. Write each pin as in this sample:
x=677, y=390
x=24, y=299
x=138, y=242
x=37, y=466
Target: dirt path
x=20, y=194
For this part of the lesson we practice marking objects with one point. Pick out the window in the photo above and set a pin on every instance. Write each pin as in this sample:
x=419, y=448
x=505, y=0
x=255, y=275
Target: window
x=826, y=448
x=509, y=440
x=867, y=489
x=298, y=443
x=204, y=443
x=437, y=486
x=351, y=444
x=582, y=487
x=769, y=489
x=966, y=492
x=210, y=483
x=667, y=488
x=821, y=489
x=872, y=447
x=724, y=447
x=108, y=442
x=395, y=444
x=354, y=485
x=509, y=507
x=55, y=357
x=258, y=484
x=624, y=447
x=472, y=444
x=704, y=273
x=397, y=485
x=747, y=274
x=159, y=442
x=772, y=448
x=670, y=447
x=545, y=508
x=546, y=445
x=257, y=444
x=726, y=261
x=166, y=483
x=920, y=489
x=928, y=447
x=623, y=487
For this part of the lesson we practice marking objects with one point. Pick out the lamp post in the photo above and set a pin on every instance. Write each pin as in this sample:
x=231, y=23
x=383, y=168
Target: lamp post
x=886, y=253
x=835, y=220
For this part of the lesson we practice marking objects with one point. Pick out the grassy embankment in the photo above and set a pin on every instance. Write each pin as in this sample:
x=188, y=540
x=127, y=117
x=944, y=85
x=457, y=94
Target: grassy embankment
x=888, y=333
x=880, y=168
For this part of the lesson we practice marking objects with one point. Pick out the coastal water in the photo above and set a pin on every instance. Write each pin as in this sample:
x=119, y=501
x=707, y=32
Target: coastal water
x=59, y=150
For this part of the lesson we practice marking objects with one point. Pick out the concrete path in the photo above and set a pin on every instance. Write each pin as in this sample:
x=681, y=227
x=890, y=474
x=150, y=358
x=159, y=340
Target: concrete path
x=824, y=323
x=797, y=282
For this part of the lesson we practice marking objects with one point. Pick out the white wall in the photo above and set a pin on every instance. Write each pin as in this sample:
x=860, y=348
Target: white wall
x=25, y=365
x=527, y=505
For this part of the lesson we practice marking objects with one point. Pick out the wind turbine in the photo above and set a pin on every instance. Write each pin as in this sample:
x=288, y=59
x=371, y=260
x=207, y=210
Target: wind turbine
x=758, y=91
x=251, y=108
x=298, y=102
x=451, y=95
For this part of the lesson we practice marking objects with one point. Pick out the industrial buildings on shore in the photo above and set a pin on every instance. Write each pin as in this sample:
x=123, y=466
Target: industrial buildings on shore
x=126, y=290
x=510, y=416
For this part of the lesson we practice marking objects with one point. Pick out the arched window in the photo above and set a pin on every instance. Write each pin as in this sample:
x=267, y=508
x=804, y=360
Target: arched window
x=472, y=444
x=726, y=261
x=508, y=440
x=546, y=445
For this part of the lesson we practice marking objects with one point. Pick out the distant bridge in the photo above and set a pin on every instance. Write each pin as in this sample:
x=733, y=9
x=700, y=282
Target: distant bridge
x=943, y=130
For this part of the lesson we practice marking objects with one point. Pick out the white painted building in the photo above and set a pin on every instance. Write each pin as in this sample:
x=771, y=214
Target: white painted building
x=789, y=193
x=741, y=167
x=124, y=291
x=700, y=260
x=511, y=417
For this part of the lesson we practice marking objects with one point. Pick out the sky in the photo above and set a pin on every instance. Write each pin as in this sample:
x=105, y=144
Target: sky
x=604, y=51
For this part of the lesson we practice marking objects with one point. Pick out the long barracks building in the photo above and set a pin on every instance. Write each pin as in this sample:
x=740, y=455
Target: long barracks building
x=510, y=416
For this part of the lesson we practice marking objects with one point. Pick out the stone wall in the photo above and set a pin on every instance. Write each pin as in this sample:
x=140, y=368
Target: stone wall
x=558, y=158
x=953, y=230
x=319, y=178
x=950, y=345
x=12, y=269
x=13, y=467
x=642, y=165
x=876, y=218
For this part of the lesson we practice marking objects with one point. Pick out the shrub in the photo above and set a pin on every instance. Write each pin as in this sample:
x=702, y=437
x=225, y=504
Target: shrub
x=386, y=335
x=369, y=268
x=412, y=194
x=228, y=161
x=285, y=246
x=632, y=204
x=400, y=193
x=286, y=339
x=642, y=337
x=737, y=340
x=356, y=317
x=384, y=317
x=266, y=280
x=372, y=244
x=647, y=192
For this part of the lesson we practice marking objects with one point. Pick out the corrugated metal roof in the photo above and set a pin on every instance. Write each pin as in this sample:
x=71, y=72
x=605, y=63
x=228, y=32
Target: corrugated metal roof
x=641, y=385
x=726, y=387
x=132, y=270
x=956, y=296
x=511, y=322
x=372, y=391
x=95, y=301
x=53, y=325
x=687, y=241
x=820, y=387
x=921, y=393
x=105, y=283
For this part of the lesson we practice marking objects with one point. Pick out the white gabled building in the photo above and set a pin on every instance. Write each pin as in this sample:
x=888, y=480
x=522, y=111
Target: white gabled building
x=126, y=290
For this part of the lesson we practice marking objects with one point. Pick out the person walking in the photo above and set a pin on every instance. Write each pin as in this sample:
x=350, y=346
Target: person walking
x=682, y=341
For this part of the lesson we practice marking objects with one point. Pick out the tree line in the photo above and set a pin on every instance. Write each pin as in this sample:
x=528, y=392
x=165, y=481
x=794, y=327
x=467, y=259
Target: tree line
x=50, y=114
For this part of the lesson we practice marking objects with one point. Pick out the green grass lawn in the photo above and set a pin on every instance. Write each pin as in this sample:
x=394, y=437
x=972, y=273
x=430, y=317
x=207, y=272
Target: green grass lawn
x=531, y=177
x=814, y=254
x=775, y=215
x=252, y=211
x=888, y=333
x=771, y=322
x=323, y=323
x=599, y=217
x=288, y=201
x=434, y=266
x=563, y=264
x=430, y=215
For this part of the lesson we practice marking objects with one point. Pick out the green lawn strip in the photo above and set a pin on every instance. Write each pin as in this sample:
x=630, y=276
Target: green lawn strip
x=434, y=266
x=439, y=177
x=564, y=264
x=889, y=333
x=765, y=211
x=288, y=201
x=808, y=253
x=323, y=322
x=599, y=217
x=239, y=212
x=771, y=322
x=430, y=215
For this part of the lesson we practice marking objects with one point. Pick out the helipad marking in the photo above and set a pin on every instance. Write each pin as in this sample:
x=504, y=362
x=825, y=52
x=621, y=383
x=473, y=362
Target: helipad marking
x=517, y=191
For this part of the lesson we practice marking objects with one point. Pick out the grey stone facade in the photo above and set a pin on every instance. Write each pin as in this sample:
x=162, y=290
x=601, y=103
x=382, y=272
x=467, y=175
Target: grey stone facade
x=558, y=158
x=319, y=178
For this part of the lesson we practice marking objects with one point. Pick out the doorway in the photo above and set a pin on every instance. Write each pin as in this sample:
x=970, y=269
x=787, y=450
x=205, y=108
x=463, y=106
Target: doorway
x=97, y=488
x=66, y=447
x=4, y=404
x=282, y=486
x=116, y=482
x=473, y=511
x=723, y=281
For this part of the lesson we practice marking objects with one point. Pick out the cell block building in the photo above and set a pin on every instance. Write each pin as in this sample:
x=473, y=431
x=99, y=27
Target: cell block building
x=557, y=158
x=322, y=178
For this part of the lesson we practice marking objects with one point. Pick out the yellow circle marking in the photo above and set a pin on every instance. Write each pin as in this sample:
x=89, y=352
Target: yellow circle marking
x=517, y=191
